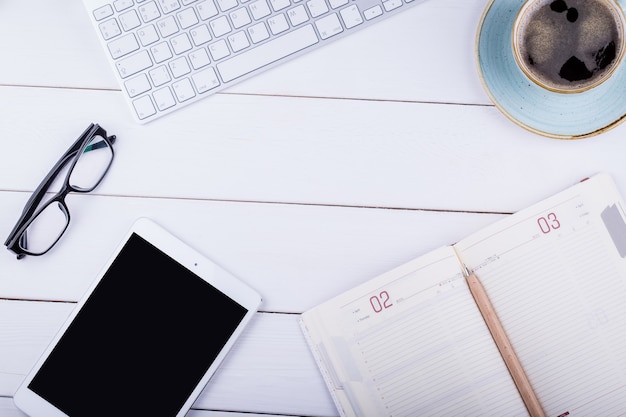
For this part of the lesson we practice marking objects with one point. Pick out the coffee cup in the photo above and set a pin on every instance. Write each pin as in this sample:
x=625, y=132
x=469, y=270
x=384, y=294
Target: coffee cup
x=569, y=46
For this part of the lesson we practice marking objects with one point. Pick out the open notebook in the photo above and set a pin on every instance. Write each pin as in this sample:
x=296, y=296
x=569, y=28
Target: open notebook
x=413, y=342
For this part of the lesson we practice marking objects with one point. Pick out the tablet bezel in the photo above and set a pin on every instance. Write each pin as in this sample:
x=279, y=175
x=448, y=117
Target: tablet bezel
x=34, y=405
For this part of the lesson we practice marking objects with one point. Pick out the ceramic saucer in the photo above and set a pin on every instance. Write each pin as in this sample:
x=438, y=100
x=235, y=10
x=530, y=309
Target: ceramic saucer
x=549, y=113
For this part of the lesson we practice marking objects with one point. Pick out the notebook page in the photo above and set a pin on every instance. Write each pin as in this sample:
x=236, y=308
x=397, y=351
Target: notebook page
x=556, y=275
x=411, y=342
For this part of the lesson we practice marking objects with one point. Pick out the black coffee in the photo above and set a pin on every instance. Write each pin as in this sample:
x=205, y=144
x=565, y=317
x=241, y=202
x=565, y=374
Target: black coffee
x=569, y=45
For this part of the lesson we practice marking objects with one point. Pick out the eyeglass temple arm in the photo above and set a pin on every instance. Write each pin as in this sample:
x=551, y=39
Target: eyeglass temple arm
x=99, y=145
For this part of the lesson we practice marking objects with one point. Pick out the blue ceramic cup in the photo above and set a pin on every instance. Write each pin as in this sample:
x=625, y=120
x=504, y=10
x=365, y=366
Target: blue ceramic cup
x=555, y=67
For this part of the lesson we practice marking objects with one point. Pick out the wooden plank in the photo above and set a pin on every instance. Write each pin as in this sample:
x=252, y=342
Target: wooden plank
x=8, y=409
x=270, y=370
x=26, y=328
x=296, y=256
x=52, y=47
x=335, y=152
x=433, y=41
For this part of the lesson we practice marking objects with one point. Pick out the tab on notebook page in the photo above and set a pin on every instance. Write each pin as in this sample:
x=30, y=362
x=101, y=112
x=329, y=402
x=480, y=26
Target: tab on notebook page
x=614, y=222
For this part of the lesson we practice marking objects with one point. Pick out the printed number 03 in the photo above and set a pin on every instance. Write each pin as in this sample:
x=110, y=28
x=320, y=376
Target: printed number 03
x=548, y=223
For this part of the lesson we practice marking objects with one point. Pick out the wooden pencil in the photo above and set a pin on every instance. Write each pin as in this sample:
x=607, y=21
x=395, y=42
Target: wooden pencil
x=504, y=345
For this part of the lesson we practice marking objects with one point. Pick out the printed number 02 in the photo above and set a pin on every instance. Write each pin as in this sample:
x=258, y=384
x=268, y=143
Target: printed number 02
x=381, y=301
x=548, y=223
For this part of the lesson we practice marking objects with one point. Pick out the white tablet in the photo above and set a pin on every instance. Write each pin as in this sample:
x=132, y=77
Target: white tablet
x=146, y=337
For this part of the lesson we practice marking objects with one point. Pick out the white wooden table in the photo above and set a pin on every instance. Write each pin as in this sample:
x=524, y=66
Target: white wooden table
x=304, y=181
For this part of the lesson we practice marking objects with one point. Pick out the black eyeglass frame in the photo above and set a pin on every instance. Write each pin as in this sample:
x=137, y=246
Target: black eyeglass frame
x=17, y=240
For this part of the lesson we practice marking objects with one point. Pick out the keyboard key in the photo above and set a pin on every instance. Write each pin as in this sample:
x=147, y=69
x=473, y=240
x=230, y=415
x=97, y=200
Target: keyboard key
x=238, y=41
x=144, y=107
x=207, y=9
x=297, y=15
x=278, y=24
x=199, y=58
x=200, y=35
x=109, y=29
x=129, y=20
x=181, y=43
x=258, y=32
x=123, y=46
x=219, y=50
x=149, y=12
x=267, y=53
x=390, y=5
x=317, y=7
x=183, y=90
x=161, y=52
x=337, y=3
x=279, y=5
x=159, y=76
x=226, y=5
x=187, y=18
x=169, y=6
x=137, y=85
x=205, y=80
x=328, y=26
x=351, y=16
x=259, y=9
x=220, y=26
x=103, y=12
x=147, y=35
x=121, y=5
x=372, y=12
x=167, y=26
x=164, y=98
x=179, y=67
x=240, y=18
x=133, y=64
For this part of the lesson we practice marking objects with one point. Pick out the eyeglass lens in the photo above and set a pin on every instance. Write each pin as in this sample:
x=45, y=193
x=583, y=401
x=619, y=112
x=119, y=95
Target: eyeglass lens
x=91, y=165
x=45, y=229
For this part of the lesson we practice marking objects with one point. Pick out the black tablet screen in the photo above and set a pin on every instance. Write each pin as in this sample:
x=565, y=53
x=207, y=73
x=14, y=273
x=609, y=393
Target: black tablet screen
x=141, y=343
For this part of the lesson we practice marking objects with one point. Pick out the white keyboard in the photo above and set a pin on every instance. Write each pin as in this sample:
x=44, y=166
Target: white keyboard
x=167, y=54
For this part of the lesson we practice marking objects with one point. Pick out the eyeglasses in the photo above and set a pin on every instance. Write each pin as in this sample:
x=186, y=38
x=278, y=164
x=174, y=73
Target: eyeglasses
x=44, y=220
